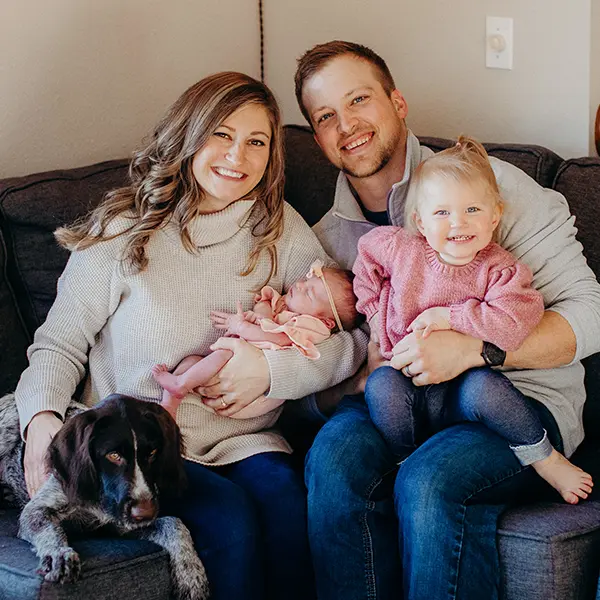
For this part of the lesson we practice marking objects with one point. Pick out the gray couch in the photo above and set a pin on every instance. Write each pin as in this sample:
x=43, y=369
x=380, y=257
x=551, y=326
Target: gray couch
x=549, y=550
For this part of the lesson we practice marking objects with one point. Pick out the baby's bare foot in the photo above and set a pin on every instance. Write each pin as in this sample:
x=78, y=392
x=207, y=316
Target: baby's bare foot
x=168, y=381
x=570, y=481
x=156, y=369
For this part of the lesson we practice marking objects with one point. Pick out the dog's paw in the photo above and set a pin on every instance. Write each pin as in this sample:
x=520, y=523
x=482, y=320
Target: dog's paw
x=61, y=566
x=189, y=579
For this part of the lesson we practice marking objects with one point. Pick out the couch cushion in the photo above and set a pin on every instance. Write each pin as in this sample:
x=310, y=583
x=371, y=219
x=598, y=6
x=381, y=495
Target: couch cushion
x=111, y=568
x=538, y=162
x=31, y=208
x=550, y=551
x=14, y=337
x=578, y=180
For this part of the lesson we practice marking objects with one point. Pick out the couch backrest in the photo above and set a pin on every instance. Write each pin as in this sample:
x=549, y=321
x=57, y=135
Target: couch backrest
x=309, y=177
x=31, y=208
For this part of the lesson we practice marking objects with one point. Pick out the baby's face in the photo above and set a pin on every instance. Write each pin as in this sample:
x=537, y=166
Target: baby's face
x=309, y=297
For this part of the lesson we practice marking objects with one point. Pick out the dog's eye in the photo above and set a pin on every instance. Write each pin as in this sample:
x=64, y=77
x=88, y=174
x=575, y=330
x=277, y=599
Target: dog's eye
x=152, y=454
x=115, y=458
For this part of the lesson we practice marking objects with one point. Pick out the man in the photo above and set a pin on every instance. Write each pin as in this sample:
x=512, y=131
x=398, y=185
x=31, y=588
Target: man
x=447, y=496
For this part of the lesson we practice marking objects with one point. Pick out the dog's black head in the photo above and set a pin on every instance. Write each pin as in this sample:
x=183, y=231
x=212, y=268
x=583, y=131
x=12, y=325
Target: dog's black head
x=121, y=456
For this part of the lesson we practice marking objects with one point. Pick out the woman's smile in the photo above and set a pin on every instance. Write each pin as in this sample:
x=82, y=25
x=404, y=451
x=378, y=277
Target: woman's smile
x=228, y=173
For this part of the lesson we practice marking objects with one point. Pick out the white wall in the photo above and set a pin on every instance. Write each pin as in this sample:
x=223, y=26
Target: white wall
x=435, y=49
x=84, y=80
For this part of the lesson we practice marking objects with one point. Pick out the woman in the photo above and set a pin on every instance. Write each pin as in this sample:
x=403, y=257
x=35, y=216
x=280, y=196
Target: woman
x=202, y=224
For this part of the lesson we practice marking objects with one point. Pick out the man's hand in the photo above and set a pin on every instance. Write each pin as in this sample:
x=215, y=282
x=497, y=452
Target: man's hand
x=441, y=356
x=40, y=431
x=436, y=318
x=244, y=378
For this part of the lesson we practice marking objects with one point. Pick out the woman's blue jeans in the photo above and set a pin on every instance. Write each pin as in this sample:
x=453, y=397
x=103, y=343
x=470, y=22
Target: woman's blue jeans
x=248, y=523
x=425, y=531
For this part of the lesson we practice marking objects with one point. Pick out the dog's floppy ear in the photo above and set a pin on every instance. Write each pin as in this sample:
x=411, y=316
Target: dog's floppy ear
x=69, y=458
x=172, y=479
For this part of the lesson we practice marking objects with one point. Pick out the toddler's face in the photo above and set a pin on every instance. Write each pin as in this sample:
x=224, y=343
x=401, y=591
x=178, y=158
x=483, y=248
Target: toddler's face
x=457, y=220
x=309, y=297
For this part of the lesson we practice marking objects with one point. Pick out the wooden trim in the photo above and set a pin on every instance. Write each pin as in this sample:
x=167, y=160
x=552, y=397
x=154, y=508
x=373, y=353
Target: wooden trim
x=597, y=130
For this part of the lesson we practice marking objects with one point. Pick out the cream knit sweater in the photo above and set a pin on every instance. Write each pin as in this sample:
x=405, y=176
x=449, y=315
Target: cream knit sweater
x=115, y=325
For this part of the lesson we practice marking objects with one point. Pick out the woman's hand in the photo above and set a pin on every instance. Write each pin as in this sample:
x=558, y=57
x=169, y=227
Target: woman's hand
x=436, y=318
x=244, y=378
x=40, y=431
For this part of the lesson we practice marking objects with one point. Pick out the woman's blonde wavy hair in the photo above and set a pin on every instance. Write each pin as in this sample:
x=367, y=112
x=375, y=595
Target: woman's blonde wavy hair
x=163, y=187
x=466, y=162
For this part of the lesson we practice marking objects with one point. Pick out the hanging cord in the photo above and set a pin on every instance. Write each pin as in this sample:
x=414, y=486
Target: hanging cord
x=262, y=41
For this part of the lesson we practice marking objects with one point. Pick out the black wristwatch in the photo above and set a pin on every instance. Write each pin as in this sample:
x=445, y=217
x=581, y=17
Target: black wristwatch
x=492, y=355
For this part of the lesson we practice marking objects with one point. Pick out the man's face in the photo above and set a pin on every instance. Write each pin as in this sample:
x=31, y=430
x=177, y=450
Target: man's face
x=358, y=126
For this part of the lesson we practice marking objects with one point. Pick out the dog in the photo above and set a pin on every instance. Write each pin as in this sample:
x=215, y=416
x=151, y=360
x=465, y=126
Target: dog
x=109, y=466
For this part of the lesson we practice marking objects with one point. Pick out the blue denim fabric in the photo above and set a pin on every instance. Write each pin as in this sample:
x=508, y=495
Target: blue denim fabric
x=447, y=497
x=487, y=396
x=352, y=527
x=279, y=495
x=406, y=415
x=248, y=522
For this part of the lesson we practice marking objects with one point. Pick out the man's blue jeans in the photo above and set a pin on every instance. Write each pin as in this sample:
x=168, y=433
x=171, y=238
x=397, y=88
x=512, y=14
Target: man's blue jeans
x=425, y=531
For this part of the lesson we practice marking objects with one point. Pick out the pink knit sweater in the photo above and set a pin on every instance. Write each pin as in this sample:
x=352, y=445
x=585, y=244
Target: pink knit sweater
x=398, y=275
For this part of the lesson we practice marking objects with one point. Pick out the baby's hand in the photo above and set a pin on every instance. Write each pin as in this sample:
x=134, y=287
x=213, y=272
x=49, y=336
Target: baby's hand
x=432, y=319
x=228, y=321
x=251, y=316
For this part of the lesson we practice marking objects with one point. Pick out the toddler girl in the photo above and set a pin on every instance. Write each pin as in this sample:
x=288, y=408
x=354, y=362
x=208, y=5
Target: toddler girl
x=444, y=271
x=305, y=316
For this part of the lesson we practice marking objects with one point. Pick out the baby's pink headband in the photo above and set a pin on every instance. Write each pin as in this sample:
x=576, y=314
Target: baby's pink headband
x=316, y=270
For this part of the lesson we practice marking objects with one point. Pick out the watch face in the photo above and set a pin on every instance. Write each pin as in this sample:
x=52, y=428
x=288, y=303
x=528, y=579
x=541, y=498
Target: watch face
x=493, y=355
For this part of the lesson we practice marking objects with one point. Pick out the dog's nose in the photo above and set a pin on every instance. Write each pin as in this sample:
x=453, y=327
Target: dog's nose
x=143, y=510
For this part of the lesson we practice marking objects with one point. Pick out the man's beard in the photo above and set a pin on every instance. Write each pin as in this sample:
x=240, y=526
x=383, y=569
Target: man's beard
x=382, y=158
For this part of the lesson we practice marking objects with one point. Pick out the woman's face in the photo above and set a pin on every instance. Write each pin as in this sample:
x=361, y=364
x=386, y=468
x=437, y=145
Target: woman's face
x=234, y=159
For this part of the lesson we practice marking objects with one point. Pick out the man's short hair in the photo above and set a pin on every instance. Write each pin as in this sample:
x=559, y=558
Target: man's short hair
x=316, y=58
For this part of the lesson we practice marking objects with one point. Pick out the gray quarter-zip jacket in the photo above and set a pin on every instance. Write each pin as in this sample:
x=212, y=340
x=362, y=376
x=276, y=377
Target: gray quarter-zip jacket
x=539, y=230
